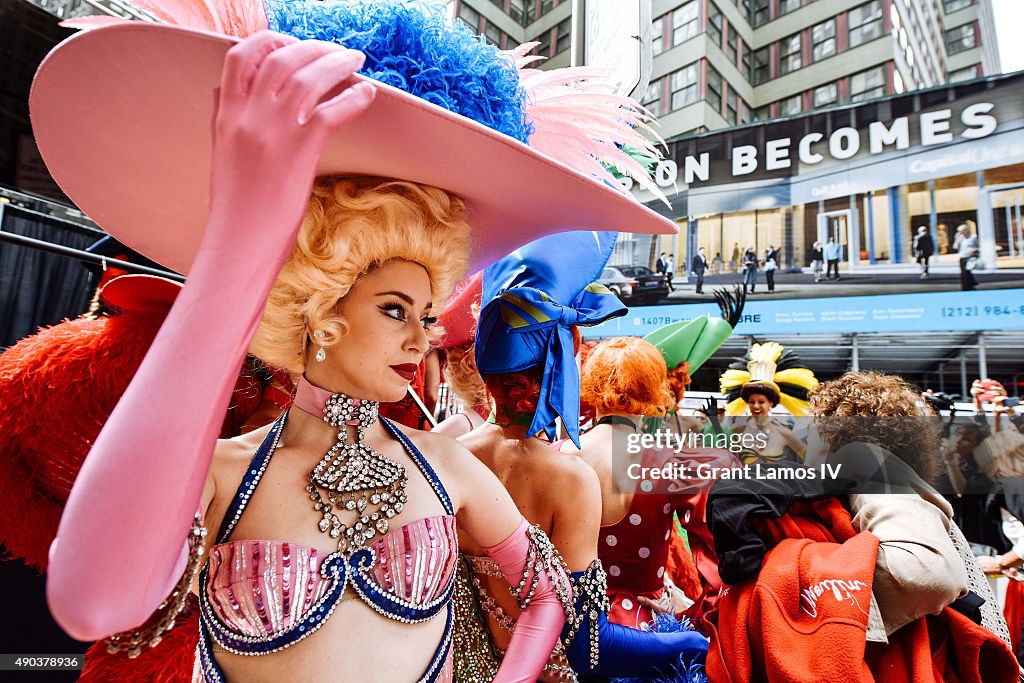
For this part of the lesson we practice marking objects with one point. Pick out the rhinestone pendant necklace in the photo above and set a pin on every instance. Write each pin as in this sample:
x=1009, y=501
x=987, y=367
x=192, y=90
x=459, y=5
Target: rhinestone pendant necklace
x=351, y=476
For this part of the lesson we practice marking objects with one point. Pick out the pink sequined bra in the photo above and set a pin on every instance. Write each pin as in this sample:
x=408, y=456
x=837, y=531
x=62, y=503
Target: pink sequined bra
x=259, y=596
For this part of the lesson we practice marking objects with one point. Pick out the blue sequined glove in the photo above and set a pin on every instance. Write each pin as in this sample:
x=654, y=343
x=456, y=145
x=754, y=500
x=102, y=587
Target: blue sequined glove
x=622, y=651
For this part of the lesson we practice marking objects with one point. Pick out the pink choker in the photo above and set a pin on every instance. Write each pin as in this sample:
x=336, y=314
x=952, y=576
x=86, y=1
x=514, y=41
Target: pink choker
x=314, y=400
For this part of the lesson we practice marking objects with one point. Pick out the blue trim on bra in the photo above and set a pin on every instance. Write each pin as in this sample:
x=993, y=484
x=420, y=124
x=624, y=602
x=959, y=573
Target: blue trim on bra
x=337, y=568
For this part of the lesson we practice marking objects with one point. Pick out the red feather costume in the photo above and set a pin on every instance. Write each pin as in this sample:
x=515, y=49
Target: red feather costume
x=57, y=389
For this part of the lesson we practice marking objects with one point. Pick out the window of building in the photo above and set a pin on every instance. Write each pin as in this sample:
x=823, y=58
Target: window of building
x=787, y=6
x=762, y=113
x=761, y=70
x=865, y=22
x=564, y=35
x=715, y=24
x=683, y=86
x=965, y=74
x=714, y=96
x=758, y=12
x=825, y=95
x=685, y=23
x=954, y=5
x=747, y=67
x=657, y=35
x=732, y=46
x=492, y=33
x=546, y=6
x=867, y=84
x=791, y=105
x=790, y=54
x=732, y=107
x=471, y=17
x=517, y=10
x=823, y=40
x=652, y=98
x=745, y=113
x=544, y=49
x=960, y=38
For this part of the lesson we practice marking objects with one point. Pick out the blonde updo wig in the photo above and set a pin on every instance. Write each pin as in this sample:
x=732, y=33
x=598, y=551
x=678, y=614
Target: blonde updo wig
x=352, y=226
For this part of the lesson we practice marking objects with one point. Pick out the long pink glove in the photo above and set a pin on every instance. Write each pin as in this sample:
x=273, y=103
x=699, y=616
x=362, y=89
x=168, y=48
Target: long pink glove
x=540, y=624
x=120, y=545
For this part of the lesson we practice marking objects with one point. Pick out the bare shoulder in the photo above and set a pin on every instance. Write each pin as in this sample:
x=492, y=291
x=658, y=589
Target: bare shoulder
x=451, y=460
x=570, y=469
x=232, y=456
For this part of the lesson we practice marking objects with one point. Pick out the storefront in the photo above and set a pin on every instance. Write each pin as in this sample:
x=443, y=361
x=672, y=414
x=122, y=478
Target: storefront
x=867, y=176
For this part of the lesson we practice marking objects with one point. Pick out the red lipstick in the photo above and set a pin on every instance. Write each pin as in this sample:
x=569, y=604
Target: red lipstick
x=406, y=370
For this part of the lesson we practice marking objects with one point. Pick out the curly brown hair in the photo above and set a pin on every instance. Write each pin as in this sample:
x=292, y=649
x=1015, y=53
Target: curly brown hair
x=880, y=409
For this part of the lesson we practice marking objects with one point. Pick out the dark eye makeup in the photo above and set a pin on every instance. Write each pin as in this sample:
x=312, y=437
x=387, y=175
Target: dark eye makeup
x=398, y=312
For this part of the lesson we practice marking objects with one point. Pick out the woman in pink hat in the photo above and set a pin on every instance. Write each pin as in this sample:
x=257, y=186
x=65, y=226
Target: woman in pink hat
x=322, y=236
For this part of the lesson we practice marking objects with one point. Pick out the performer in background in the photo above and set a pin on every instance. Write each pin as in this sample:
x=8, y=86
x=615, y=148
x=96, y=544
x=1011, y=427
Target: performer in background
x=525, y=346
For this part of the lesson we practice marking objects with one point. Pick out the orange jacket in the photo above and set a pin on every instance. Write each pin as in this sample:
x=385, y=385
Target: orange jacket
x=803, y=619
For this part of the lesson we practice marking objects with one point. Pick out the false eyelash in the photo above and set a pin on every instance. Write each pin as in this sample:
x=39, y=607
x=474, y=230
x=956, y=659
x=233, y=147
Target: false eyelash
x=394, y=306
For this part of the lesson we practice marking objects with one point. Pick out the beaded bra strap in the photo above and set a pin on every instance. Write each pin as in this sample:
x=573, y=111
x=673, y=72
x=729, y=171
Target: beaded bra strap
x=252, y=477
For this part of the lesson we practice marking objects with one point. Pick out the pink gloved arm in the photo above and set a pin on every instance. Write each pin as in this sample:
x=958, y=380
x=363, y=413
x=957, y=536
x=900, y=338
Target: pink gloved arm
x=120, y=547
x=540, y=624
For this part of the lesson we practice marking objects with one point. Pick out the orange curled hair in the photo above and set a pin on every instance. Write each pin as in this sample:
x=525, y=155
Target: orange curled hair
x=627, y=375
x=678, y=380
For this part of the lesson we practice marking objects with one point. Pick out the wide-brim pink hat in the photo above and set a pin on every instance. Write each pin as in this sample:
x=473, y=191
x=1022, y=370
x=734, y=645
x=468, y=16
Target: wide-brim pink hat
x=134, y=152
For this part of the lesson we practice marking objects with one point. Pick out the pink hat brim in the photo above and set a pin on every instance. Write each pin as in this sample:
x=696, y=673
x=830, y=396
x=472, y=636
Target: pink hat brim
x=132, y=149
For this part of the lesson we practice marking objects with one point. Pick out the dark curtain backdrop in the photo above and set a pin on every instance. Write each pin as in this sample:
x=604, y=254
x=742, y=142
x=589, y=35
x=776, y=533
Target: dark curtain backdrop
x=37, y=288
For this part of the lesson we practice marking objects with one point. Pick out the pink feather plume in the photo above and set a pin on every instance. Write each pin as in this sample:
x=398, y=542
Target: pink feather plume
x=238, y=18
x=580, y=121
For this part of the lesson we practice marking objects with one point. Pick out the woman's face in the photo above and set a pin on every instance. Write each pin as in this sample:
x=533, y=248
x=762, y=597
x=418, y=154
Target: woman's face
x=759, y=405
x=966, y=440
x=387, y=312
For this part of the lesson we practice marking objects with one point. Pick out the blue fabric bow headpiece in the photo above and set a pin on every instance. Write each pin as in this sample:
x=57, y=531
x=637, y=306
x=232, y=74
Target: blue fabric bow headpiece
x=531, y=299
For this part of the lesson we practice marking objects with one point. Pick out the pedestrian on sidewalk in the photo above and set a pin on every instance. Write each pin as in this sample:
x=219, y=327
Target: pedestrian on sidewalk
x=771, y=264
x=750, y=269
x=734, y=262
x=966, y=246
x=697, y=266
x=717, y=263
x=924, y=248
x=833, y=255
x=817, y=261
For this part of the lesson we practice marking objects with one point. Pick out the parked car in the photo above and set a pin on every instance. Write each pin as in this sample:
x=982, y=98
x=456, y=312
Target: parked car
x=635, y=285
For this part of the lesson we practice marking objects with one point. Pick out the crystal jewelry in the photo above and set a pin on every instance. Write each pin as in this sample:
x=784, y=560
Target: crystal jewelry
x=353, y=475
x=321, y=355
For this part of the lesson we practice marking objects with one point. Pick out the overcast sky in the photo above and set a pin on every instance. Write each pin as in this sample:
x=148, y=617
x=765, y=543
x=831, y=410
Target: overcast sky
x=1009, y=21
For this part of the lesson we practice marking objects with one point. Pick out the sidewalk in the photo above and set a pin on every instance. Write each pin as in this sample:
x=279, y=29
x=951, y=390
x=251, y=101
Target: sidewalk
x=865, y=281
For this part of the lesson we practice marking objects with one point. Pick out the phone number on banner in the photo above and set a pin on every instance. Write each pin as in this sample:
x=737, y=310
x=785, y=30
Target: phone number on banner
x=981, y=311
